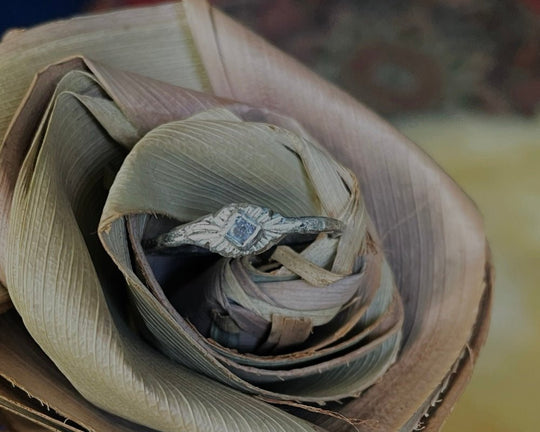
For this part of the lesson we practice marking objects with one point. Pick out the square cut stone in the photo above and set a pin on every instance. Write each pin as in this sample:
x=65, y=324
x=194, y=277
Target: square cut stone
x=242, y=231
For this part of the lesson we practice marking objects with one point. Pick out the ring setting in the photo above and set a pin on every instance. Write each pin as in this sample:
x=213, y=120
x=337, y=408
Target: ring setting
x=240, y=229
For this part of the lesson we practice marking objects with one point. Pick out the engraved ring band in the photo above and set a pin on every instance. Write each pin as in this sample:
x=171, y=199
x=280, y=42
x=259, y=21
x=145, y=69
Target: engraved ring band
x=241, y=229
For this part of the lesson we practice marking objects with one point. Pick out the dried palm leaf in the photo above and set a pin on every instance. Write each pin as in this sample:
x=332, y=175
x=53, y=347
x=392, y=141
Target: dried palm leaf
x=165, y=116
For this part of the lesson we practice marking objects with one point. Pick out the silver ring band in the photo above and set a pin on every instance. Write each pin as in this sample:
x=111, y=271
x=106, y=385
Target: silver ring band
x=241, y=229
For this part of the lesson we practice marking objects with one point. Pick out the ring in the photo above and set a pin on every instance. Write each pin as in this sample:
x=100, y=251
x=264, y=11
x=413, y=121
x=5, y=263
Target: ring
x=241, y=229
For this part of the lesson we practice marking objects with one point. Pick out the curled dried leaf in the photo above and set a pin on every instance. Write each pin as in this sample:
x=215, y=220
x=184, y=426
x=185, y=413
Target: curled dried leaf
x=123, y=148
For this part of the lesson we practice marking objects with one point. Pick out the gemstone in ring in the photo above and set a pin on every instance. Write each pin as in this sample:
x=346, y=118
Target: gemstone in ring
x=241, y=229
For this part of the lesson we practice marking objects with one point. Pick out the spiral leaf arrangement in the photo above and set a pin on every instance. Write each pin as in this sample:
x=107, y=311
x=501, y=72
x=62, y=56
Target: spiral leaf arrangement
x=110, y=150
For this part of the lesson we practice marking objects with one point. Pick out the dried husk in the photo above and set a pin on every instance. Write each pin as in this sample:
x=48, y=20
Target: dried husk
x=429, y=230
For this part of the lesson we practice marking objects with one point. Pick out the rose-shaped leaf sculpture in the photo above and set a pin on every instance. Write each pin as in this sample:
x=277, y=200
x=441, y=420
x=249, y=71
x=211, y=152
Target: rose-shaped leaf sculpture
x=175, y=118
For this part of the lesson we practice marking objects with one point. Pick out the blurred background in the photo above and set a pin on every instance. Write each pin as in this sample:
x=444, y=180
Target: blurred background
x=461, y=78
